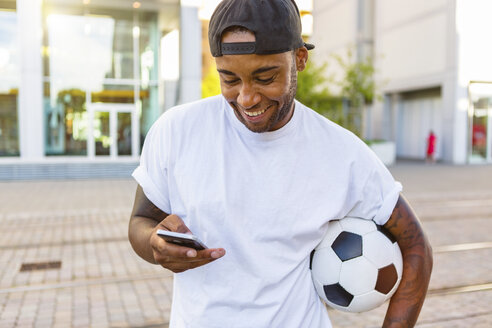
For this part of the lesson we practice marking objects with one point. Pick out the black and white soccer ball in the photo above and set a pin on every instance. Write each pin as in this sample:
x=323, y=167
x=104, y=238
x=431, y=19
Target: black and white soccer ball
x=357, y=266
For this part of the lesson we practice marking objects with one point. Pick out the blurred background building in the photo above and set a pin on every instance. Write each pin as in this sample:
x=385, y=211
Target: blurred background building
x=81, y=81
x=432, y=62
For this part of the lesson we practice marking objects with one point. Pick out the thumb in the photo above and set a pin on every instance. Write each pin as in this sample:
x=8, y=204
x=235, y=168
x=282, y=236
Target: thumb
x=174, y=223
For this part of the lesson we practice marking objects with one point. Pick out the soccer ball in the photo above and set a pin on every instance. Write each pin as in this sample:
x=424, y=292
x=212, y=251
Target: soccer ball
x=357, y=266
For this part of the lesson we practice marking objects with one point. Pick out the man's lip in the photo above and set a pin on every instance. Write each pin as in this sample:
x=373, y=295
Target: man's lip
x=255, y=118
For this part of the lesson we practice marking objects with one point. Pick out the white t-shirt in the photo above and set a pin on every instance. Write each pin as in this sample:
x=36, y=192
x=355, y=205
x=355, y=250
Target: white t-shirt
x=266, y=198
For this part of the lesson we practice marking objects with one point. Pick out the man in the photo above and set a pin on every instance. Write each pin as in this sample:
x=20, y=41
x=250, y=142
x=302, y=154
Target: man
x=257, y=176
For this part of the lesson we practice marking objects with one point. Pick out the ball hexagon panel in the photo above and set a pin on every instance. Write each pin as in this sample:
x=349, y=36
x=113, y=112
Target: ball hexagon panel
x=333, y=230
x=378, y=249
x=357, y=225
x=336, y=294
x=387, y=278
x=326, y=266
x=367, y=301
x=358, y=276
x=347, y=245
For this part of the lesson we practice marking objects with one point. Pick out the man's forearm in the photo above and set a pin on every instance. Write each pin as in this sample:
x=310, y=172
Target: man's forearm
x=139, y=231
x=406, y=303
x=144, y=218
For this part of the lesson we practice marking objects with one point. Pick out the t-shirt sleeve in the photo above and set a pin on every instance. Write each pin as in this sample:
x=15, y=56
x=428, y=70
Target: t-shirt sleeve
x=151, y=174
x=375, y=189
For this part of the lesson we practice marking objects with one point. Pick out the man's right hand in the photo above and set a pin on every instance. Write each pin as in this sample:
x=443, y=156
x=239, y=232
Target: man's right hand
x=145, y=220
x=179, y=258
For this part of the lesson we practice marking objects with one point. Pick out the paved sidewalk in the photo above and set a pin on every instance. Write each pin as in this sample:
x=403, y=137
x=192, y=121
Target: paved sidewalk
x=82, y=227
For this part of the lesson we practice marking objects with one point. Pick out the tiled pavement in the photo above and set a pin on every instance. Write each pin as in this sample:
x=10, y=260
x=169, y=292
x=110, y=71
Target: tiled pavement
x=102, y=283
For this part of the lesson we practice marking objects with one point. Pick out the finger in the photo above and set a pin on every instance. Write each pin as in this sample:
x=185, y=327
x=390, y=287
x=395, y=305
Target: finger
x=175, y=251
x=181, y=253
x=213, y=253
x=161, y=246
x=183, y=266
x=185, y=253
x=174, y=223
x=180, y=264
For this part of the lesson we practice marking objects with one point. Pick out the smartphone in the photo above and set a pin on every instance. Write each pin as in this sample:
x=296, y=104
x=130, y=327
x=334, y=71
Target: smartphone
x=181, y=239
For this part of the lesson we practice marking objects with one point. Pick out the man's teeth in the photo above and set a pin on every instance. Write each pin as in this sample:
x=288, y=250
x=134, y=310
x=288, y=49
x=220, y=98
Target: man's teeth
x=252, y=114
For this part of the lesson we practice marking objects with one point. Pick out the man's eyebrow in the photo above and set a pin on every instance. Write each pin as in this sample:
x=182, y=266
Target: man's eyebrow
x=226, y=72
x=264, y=69
x=258, y=71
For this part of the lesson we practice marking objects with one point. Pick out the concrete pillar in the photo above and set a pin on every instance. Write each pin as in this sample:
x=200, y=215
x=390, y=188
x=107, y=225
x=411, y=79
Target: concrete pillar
x=31, y=120
x=391, y=118
x=460, y=126
x=190, y=53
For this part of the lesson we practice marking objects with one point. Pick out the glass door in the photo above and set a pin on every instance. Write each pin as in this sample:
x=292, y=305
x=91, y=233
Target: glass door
x=102, y=133
x=100, y=60
x=111, y=130
x=124, y=138
x=480, y=122
x=9, y=80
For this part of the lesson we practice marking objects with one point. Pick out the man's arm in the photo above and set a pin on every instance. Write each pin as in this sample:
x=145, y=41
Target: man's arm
x=145, y=220
x=406, y=303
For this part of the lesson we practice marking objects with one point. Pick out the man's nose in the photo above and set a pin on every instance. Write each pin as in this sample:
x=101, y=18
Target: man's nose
x=248, y=97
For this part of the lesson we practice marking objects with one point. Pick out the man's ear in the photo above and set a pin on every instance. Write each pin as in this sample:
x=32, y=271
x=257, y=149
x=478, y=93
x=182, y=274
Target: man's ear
x=302, y=55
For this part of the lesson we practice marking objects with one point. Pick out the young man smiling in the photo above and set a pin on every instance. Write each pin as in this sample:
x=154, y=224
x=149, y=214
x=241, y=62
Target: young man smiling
x=260, y=89
x=257, y=174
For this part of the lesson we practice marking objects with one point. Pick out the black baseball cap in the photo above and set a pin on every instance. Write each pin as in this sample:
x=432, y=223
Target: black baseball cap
x=276, y=25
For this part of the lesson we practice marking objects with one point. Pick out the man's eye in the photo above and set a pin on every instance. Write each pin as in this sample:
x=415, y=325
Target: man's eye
x=266, y=81
x=230, y=81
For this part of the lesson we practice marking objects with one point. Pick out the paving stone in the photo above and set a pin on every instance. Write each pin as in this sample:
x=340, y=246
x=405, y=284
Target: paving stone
x=102, y=283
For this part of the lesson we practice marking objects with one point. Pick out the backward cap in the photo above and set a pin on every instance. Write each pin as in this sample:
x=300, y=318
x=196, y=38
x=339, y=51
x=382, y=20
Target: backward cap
x=276, y=25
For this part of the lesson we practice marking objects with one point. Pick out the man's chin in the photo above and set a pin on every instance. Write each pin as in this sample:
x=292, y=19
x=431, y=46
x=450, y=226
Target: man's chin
x=257, y=128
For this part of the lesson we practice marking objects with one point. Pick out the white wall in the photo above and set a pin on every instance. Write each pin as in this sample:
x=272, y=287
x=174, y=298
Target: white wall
x=415, y=47
x=411, y=40
x=395, y=12
x=413, y=50
x=411, y=37
x=334, y=25
x=334, y=30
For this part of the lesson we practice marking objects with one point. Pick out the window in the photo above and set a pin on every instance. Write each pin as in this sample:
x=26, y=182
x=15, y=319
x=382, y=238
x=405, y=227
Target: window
x=9, y=80
x=98, y=63
x=481, y=122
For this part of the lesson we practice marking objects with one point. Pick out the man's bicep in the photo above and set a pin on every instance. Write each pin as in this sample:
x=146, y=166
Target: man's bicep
x=405, y=226
x=143, y=207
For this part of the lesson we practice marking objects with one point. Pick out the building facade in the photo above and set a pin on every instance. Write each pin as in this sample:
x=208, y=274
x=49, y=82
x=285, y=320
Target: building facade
x=81, y=81
x=432, y=70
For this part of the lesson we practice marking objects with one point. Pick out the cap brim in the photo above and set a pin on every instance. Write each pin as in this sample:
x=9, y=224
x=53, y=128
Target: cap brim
x=309, y=46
